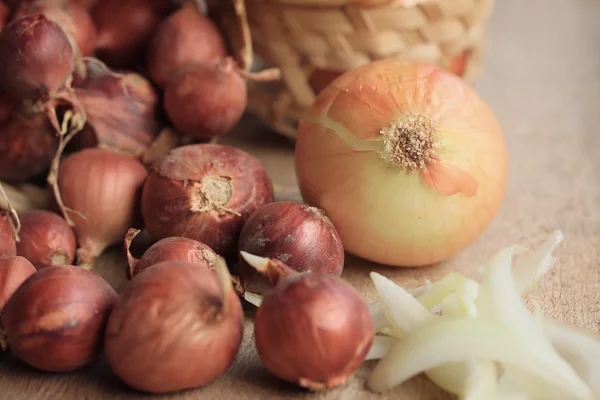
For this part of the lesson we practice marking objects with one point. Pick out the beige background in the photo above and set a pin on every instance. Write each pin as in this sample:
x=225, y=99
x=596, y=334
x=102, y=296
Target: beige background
x=542, y=78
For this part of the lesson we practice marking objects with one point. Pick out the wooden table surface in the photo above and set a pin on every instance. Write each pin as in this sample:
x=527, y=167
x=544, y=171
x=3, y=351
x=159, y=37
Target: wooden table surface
x=542, y=78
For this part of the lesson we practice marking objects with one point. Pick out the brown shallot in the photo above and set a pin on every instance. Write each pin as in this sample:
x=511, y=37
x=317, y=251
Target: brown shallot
x=175, y=327
x=186, y=36
x=46, y=239
x=311, y=329
x=292, y=232
x=99, y=194
x=54, y=321
x=206, y=100
x=125, y=26
x=169, y=249
x=13, y=272
x=204, y=192
x=36, y=58
x=27, y=146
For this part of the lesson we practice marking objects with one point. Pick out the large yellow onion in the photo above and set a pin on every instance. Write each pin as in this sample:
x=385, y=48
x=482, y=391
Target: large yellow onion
x=408, y=162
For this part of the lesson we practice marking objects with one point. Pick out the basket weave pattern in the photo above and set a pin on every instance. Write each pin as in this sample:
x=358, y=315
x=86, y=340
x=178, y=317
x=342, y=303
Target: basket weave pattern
x=312, y=44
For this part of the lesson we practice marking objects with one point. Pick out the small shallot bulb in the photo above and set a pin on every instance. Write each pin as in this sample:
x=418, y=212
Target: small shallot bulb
x=27, y=146
x=206, y=100
x=46, y=239
x=312, y=329
x=55, y=320
x=187, y=36
x=175, y=327
x=122, y=109
x=204, y=192
x=36, y=58
x=13, y=272
x=299, y=235
x=100, y=191
x=72, y=18
x=125, y=27
x=169, y=249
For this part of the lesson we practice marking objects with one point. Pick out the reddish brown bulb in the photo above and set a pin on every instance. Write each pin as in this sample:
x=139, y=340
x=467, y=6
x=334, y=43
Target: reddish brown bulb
x=204, y=192
x=187, y=36
x=206, y=100
x=27, y=146
x=73, y=19
x=297, y=234
x=169, y=249
x=175, y=327
x=312, y=329
x=125, y=28
x=46, y=239
x=55, y=320
x=100, y=190
x=13, y=272
x=36, y=58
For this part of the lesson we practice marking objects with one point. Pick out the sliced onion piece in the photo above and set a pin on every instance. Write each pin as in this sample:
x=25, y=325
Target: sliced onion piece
x=380, y=320
x=449, y=377
x=402, y=310
x=580, y=348
x=437, y=291
x=481, y=381
x=380, y=347
x=252, y=298
x=462, y=303
x=447, y=340
x=498, y=297
x=529, y=270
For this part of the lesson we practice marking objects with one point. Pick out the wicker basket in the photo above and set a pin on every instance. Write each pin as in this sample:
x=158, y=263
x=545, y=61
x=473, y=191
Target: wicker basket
x=313, y=41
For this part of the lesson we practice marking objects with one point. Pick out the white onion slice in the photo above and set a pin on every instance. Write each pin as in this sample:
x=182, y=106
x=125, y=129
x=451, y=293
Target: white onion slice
x=578, y=347
x=436, y=292
x=380, y=347
x=481, y=381
x=532, y=267
x=483, y=324
x=402, y=310
x=447, y=340
x=254, y=299
x=380, y=321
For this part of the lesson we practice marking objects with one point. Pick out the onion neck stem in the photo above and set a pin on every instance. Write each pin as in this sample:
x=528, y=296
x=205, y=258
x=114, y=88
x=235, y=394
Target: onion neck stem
x=87, y=255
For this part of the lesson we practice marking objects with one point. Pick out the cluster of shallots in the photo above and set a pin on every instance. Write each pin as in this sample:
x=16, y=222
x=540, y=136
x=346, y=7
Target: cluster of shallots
x=201, y=204
x=92, y=92
x=76, y=105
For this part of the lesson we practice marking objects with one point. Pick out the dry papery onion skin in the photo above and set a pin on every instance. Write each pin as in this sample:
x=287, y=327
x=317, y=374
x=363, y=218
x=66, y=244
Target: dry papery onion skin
x=478, y=340
x=406, y=159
